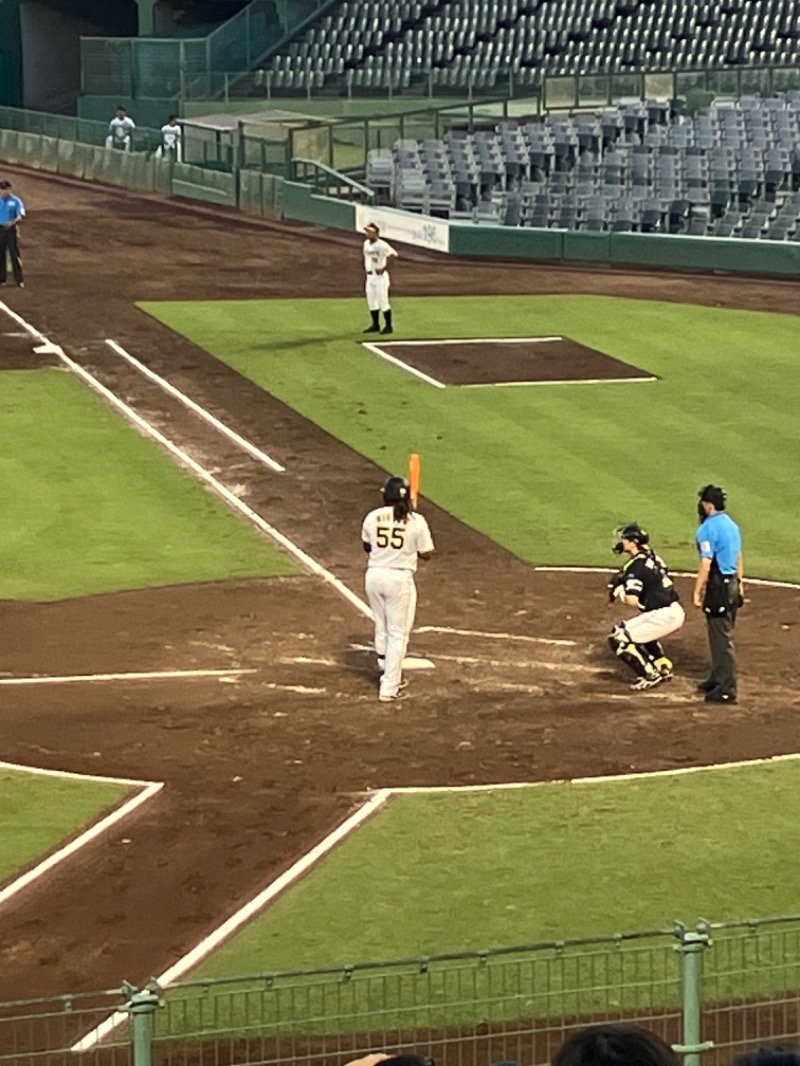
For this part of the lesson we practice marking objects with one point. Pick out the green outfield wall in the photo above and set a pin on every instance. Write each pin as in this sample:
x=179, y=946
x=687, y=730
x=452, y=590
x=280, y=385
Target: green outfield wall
x=255, y=192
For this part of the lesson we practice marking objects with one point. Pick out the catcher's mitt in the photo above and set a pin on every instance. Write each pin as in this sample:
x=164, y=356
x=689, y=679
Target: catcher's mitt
x=616, y=587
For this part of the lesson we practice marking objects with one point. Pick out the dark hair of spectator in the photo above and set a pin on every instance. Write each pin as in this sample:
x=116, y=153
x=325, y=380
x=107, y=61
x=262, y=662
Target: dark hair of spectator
x=769, y=1056
x=615, y=1045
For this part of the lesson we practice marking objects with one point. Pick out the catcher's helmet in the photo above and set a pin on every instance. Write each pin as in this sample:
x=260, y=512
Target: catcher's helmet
x=633, y=532
x=395, y=490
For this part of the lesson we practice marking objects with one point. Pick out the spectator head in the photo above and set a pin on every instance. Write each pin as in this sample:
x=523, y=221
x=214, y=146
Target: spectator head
x=615, y=1045
x=5, y=188
x=769, y=1056
x=121, y=112
x=173, y=120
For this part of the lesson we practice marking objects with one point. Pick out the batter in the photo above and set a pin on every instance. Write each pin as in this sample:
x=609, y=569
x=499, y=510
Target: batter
x=395, y=538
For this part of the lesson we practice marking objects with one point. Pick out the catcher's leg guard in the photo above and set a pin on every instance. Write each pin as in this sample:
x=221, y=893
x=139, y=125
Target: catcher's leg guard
x=630, y=653
x=654, y=651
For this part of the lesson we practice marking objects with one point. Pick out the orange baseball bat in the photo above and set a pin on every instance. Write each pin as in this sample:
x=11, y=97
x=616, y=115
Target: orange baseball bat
x=413, y=477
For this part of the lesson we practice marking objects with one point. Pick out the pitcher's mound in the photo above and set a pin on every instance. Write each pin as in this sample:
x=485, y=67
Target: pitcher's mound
x=506, y=361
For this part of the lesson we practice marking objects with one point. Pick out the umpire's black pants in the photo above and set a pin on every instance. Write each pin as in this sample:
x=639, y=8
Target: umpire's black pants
x=9, y=245
x=723, y=651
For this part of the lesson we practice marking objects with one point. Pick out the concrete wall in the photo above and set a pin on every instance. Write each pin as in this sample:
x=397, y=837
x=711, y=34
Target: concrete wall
x=51, y=56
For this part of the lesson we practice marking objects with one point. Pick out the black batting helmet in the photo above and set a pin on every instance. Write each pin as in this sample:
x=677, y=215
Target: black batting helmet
x=633, y=532
x=395, y=490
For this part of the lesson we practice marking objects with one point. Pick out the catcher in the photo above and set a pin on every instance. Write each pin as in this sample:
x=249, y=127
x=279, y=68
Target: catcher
x=644, y=582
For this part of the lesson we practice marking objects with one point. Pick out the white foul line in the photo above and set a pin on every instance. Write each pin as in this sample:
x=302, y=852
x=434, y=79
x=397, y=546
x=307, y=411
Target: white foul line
x=196, y=409
x=761, y=582
x=245, y=913
x=148, y=790
x=409, y=369
x=496, y=636
x=233, y=501
x=142, y=675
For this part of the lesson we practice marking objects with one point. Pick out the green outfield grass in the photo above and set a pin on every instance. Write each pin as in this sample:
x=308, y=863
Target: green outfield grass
x=38, y=812
x=469, y=871
x=455, y=871
x=95, y=507
x=548, y=471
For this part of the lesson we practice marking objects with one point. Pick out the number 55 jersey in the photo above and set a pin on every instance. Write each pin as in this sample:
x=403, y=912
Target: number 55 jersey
x=395, y=543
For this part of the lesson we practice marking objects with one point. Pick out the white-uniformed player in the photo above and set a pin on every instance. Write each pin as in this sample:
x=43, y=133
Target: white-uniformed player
x=171, y=138
x=395, y=538
x=119, y=130
x=377, y=253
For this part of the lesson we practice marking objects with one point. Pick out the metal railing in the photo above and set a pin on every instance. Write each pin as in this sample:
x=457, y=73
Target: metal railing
x=558, y=92
x=329, y=182
x=136, y=67
x=68, y=128
x=713, y=991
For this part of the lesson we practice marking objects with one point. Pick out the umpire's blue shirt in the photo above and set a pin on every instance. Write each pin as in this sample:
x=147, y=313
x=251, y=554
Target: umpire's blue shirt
x=719, y=538
x=11, y=207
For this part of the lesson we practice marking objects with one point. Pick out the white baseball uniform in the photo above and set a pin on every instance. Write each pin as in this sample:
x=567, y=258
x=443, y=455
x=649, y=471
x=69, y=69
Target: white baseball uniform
x=170, y=139
x=119, y=131
x=391, y=591
x=377, y=254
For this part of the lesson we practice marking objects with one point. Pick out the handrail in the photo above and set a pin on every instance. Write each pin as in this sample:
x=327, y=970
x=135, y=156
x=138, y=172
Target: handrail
x=305, y=169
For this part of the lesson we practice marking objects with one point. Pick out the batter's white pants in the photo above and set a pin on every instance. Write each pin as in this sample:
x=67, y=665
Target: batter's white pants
x=377, y=289
x=655, y=625
x=392, y=595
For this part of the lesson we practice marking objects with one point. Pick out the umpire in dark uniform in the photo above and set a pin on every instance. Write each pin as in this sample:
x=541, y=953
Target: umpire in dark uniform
x=719, y=590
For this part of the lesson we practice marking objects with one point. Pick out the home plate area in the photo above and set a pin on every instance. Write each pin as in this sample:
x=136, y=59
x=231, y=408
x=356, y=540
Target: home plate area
x=506, y=361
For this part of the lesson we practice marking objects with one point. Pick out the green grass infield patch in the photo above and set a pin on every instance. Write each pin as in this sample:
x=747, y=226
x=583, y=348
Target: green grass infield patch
x=469, y=871
x=92, y=506
x=38, y=812
x=549, y=471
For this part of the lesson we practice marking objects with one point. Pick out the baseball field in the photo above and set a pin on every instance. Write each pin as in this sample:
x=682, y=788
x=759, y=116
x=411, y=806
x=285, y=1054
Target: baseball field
x=184, y=610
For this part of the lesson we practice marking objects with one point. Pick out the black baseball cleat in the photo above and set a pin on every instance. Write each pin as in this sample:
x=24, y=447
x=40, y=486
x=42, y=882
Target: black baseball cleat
x=372, y=329
x=716, y=695
x=387, y=329
x=706, y=686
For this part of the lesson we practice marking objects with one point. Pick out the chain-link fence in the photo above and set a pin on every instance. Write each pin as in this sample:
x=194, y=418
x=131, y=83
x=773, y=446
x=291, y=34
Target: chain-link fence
x=713, y=991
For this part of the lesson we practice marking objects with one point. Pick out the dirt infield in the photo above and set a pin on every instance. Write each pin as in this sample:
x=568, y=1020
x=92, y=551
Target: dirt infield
x=258, y=771
x=502, y=362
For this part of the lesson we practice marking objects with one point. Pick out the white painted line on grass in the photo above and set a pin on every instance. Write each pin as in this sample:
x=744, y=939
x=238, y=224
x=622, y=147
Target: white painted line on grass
x=69, y=775
x=248, y=911
x=496, y=636
x=306, y=561
x=566, y=381
x=681, y=771
x=477, y=340
x=148, y=790
x=761, y=582
x=409, y=369
x=142, y=675
x=195, y=408
x=373, y=804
